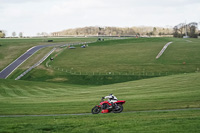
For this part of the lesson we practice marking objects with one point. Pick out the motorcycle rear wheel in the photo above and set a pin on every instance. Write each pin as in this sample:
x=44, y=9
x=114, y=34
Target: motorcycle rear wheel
x=96, y=110
x=119, y=110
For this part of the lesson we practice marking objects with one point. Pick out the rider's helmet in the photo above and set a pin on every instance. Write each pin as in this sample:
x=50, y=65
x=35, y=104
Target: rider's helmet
x=111, y=94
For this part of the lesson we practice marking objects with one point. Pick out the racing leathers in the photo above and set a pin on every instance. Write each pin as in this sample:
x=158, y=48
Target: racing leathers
x=111, y=99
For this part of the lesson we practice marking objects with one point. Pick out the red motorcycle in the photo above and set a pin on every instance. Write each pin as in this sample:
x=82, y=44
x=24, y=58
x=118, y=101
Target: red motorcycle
x=107, y=107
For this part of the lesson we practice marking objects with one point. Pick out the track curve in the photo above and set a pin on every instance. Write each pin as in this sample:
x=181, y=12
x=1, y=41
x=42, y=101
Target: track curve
x=15, y=64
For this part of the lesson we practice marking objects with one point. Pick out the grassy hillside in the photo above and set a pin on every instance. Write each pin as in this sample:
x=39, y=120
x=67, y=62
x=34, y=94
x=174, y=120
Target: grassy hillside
x=131, y=55
x=180, y=91
x=171, y=92
x=121, y=60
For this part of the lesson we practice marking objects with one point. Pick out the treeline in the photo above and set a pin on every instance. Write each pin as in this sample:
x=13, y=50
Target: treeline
x=2, y=34
x=115, y=31
x=186, y=30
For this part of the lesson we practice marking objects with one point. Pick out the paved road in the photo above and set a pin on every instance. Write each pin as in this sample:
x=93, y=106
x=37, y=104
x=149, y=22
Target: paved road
x=148, y=111
x=15, y=64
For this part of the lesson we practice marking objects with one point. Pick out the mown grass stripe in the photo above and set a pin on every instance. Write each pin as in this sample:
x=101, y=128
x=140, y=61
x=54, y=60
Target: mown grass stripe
x=31, y=91
x=6, y=91
x=44, y=90
x=16, y=91
x=3, y=92
x=22, y=89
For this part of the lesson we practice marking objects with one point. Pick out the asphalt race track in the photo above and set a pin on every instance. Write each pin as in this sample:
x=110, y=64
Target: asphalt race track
x=15, y=64
x=147, y=111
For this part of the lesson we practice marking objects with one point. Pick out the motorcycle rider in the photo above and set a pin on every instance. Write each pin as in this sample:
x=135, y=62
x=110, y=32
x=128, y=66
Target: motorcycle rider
x=111, y=99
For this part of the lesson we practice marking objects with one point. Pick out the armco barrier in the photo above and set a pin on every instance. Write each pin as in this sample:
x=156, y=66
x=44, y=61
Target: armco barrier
x=163, y=50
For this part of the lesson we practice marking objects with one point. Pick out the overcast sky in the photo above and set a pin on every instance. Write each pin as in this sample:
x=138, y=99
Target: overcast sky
x=33, y=16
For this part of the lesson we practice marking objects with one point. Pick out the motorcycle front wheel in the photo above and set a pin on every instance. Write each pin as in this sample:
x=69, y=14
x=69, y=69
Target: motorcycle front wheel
x=96, y=110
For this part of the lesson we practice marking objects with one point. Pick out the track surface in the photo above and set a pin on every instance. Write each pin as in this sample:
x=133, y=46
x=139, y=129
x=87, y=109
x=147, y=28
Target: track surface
x=15, y=64
x=168, y=110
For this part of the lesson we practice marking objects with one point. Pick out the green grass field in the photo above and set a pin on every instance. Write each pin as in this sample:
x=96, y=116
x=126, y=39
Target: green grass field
x=47, y=90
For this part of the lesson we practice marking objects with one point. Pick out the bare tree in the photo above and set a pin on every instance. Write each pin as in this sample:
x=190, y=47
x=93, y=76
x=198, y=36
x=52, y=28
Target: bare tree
x=2, y=34
x=20, y=34
x=154, y=31
x=14, y=34
x=193, y=27
x=183, y=29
